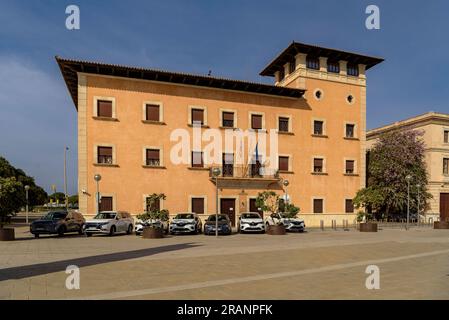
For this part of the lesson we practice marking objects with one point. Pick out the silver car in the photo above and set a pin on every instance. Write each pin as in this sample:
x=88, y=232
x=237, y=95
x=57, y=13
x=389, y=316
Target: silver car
x=110, y=222
x=251, y=222
x=186, y=223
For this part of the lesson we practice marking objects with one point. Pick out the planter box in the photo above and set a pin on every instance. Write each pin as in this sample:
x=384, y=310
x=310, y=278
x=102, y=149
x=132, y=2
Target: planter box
x=441, y=225
x=276, y=230
x=152, y=233
x=368, y=227
x=7, y=234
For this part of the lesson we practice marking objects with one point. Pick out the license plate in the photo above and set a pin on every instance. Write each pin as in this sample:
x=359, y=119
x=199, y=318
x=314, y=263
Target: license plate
x=40, y=229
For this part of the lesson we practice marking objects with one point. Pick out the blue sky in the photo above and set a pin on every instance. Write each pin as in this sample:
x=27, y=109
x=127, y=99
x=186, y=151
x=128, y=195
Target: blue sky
x=234, y=39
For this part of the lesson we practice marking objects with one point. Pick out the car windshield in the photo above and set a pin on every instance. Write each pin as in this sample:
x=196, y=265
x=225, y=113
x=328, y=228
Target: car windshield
x=106, y=215
x=221, y=217
x=250, y=216
x=184, y=216
x=54, y=216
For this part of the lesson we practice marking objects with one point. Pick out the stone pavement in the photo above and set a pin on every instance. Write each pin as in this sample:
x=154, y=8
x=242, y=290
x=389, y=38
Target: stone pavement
x=413, y=264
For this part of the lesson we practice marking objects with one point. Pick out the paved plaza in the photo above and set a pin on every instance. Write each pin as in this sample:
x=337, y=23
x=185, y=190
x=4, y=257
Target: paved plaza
x=413, y=264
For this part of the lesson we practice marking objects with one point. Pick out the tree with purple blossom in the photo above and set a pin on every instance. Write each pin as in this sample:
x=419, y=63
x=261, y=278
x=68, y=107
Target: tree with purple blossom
x=396, y=155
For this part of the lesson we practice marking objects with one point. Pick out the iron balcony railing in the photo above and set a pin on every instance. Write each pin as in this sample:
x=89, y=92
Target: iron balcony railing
x=253, y=171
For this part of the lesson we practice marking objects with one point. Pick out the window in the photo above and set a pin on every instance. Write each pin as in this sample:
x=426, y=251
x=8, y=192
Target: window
x=256, y=121
x=153, y=157
x=349, y=168
x=350, y=130
x=152, y=112
x=228, y=164
x=106, y=204
x=155, y=205
x=283, y=124
x=349, y=206
x=350, y=99
x=198, y=116
x=313, y=63
x=197, y=159
x=104, y=108
x=446, y=136
x=317, y=205
x=292, y=66
x=198, y=205
x=104, y=155
x=446, y=166
x=353, y=70
x=318, y=94
x=333, y=67
x=228, y=119
x=283, y=163
x=318, y=127
x=318, y=165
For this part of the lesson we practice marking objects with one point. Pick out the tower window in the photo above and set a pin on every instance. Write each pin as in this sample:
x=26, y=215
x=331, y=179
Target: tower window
x=313, y=63
x=333, y=67
x=353, y=70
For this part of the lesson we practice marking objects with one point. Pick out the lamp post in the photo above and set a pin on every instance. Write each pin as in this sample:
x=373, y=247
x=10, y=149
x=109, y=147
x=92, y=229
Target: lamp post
x=286, y=183
x=27, y=188
x=408, y=178
x=418, y=186
x=216, y=172
x=97, y=178
x=65, y=179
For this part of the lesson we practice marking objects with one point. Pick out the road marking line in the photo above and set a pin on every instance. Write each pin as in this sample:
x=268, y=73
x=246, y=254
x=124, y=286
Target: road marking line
x=214, y=283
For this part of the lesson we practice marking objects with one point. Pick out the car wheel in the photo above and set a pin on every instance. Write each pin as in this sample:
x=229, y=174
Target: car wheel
x=112, y=231
x=81, y=231
x=88, y=234
x=36, y=235
x=130, y=229
x=61, y=231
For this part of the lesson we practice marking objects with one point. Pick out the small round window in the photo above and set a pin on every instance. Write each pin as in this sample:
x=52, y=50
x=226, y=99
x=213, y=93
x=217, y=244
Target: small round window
x=318, y=94
x=350, y=99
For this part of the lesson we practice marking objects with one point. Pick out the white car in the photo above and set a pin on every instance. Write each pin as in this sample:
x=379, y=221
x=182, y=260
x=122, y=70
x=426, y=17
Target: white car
x=250, y=222
x=140, y=225
x=110, y=222
x=291, y=224
x=186, y=223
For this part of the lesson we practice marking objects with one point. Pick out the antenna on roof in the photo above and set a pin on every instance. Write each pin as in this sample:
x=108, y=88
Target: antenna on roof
x=209, y=73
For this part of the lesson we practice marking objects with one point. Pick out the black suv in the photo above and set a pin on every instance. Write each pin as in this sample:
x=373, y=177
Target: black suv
x=58, y=222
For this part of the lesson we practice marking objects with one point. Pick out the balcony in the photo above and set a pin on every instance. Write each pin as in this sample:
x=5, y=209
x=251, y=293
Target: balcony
x=253, y=176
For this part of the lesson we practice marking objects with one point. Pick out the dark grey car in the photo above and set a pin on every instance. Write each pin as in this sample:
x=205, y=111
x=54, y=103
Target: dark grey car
x=58, y=222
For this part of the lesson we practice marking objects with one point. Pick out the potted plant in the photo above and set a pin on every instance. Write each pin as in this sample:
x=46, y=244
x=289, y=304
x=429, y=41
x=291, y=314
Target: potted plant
x=11, y=199
x=366, y=224
x=154, y=218
x=268, y=201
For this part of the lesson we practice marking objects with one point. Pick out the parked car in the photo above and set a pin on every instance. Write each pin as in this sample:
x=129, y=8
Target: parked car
x=58, y=222
x=186, y=223
x=110, y=222
x=224, y=224
x=250, y=222
x=291, y=224
x=140, y=225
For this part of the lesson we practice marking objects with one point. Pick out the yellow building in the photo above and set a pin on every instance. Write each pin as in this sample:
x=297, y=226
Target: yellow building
x=132, y=122
x=435, y=127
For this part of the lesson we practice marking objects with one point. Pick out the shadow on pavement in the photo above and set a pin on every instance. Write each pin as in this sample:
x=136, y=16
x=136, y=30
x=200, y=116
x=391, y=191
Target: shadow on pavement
x=57, y=266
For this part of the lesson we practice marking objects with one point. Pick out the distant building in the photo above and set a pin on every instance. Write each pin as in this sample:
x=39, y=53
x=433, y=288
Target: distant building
x=436, y=137
x=317, y=107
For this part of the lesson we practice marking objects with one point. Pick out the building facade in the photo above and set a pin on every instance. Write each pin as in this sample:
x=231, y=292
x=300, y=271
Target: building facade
x=310, y=129
x=435, y=128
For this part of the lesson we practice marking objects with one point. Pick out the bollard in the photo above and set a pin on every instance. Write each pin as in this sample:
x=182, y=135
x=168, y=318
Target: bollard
x=322, y=225
x=334, y=224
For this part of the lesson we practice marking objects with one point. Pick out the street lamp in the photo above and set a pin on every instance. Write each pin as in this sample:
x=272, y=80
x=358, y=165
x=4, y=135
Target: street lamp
x=418, y=186
x=286, y=183
x=65, y=179
x=216, y=172
x=97, y=178
x=408, y=178
x=27, y=187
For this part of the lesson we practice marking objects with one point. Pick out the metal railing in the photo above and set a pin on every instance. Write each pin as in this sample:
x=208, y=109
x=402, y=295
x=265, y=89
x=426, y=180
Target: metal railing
x=247, y=171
